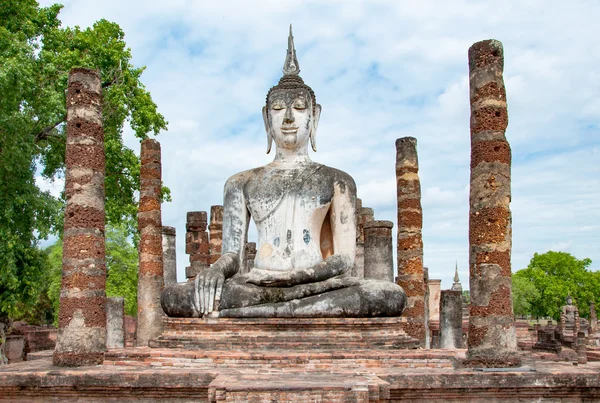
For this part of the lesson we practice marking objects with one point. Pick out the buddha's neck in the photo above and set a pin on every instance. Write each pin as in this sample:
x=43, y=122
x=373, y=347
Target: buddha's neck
x=287, y=157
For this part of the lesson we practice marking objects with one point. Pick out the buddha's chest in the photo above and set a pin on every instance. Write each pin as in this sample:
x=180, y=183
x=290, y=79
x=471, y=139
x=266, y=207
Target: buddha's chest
x=288, y=196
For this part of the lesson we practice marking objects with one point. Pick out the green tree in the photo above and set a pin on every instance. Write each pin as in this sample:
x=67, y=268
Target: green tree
x=523, y=294
x=122, y=268
x=36, y=54
x=556, y=275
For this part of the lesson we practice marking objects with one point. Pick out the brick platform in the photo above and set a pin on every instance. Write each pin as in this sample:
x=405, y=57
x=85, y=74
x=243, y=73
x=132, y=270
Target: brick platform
x=294, y=334
x=39, y=381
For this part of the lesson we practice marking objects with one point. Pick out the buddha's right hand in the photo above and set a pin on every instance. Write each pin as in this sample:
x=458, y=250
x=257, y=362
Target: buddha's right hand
x=208, y=284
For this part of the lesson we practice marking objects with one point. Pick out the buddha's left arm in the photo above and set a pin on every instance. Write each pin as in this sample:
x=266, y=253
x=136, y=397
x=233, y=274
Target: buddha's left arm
x=343, y=228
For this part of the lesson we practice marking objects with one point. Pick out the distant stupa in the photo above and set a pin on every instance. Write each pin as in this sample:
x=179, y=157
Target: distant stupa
x=456, y=286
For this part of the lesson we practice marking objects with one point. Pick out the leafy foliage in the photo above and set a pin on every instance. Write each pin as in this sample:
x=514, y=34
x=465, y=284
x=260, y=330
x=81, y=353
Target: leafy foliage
x=554, y=275
x=122, y=267
x=523, y=294
x=36, y=54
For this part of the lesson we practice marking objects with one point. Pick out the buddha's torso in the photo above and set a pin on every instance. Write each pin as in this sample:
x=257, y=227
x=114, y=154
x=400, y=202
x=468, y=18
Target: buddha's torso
x=290, y=208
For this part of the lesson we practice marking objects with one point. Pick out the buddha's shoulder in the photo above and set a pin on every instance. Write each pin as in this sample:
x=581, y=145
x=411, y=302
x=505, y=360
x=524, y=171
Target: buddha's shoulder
x=336, y=176
x=242, y=178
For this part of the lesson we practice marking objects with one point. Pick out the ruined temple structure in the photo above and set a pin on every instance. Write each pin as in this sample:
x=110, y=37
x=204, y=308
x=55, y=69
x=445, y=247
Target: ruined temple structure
x=492, y=338
x=320, y=332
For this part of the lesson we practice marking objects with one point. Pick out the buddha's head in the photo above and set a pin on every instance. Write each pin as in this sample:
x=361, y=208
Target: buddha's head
x=569, y=300
x=291, y=114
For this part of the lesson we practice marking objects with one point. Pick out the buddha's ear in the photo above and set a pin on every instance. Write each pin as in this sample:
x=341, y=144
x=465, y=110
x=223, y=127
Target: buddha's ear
x=313, y=129
x=266, y=121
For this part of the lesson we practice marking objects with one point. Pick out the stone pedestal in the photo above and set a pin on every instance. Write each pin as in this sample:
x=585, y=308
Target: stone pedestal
x=151, y=274
x=492, y=338
x=115, y=322
x=169, y=244
x=434, y=299
x=82, y=314
x=450, y=319
x=379, y=259
x=410, y=242
x=196, y=243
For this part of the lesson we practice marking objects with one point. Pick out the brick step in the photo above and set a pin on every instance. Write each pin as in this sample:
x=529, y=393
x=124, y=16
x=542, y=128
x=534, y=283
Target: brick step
x=284, y=333
x=278, y=360
x=227, y=343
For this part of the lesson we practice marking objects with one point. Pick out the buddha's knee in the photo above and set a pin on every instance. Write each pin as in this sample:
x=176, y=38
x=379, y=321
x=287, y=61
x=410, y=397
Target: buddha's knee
x=382, y=298
x=177, y=300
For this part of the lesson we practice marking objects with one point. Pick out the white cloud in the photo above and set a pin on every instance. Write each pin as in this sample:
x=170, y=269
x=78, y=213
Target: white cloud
x=381, y=70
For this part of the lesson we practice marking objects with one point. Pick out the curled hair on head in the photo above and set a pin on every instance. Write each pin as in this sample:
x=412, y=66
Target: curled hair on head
x=292, y=82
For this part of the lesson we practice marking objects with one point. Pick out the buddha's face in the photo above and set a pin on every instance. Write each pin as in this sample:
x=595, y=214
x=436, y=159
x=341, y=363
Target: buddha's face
x=290, y=118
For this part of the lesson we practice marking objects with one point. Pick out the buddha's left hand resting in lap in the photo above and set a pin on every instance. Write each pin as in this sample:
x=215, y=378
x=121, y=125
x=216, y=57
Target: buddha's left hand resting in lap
x=305, y=218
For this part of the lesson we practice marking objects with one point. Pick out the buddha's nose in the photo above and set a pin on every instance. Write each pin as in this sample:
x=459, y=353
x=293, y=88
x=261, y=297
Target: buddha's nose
x=289, y=116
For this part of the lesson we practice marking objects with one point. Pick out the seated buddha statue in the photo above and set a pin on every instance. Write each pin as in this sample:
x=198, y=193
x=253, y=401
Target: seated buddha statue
x=305, y=218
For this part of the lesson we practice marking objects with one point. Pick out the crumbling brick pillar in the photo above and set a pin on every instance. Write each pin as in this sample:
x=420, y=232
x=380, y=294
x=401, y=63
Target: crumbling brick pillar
x=115, y=322
x=82, y=313
x=379, y=258
x=150, y=274
x=410, y=242
x=169, y=244
x=196, y=243
x=215, y=233
x=492, y=338
x=450, y=319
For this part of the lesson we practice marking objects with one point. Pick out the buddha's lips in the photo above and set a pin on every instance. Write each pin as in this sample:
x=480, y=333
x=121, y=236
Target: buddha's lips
x=289, y=130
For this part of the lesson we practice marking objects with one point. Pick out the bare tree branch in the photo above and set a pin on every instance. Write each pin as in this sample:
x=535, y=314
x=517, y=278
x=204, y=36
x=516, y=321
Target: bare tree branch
x=47, y=132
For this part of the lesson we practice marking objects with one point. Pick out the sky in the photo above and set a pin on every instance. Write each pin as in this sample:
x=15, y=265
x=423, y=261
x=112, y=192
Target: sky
x=381, y=70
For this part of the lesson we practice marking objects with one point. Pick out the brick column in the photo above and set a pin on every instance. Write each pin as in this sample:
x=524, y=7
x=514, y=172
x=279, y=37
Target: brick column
x=450, y=319
x=82, y=314
x=379, y=258
x=151, y=274
x=492, y=338
x=196, y=243
x=169, y=244
x=115, y=322
x=215, y=233
x=410, y=242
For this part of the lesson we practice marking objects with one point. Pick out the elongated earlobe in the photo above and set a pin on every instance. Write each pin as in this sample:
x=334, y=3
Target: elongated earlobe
x=313, y=130
x=266, y=121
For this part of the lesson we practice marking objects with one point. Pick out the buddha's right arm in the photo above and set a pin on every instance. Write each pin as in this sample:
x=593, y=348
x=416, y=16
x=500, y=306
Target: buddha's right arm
x=209, y=284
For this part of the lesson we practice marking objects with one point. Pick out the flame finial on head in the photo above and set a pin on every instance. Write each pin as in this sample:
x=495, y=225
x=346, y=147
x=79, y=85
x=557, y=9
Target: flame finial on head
x=291, y=66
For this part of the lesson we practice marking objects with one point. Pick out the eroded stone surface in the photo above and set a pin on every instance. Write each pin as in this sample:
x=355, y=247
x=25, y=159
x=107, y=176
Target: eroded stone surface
x=82, y=314
x=151, y=271
x=492, y=338
x=410, y=241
